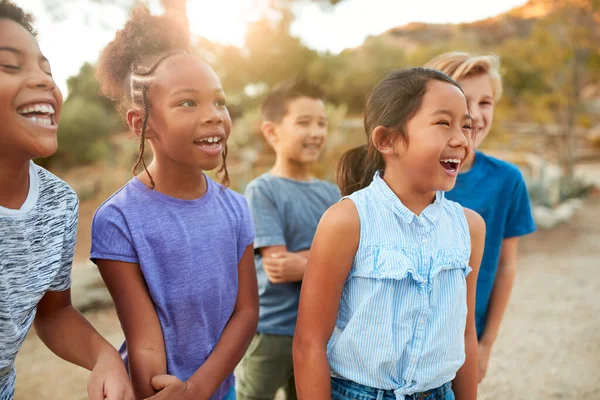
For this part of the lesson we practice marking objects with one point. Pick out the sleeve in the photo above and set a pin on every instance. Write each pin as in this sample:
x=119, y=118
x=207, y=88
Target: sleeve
x=268, y=222
x=519, y=221
x=62, y=280
x=246, y=233
x=111, y=237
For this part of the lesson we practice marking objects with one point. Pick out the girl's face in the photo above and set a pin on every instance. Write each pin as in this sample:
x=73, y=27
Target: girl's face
x=480, y=95
x=30, y=101
x=439, y=139
x=188, y=120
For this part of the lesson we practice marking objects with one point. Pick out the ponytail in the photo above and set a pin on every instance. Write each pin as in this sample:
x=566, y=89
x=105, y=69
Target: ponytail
x=356, y=168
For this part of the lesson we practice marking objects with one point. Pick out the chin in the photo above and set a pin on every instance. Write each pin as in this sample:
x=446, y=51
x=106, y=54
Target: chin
x=44, y=149
x=209, y=166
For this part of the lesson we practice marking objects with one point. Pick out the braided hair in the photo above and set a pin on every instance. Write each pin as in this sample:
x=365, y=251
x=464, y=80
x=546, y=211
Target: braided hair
x=127, y=64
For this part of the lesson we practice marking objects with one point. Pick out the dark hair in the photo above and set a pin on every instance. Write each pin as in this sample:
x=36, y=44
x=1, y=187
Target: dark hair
x=274, y=106
x=391, y=103
x=9, y=10
x=127, y=63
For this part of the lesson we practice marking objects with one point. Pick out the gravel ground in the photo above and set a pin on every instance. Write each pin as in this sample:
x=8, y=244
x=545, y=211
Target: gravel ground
x=548, y=347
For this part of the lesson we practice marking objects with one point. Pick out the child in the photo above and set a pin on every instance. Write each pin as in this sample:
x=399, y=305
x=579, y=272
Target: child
x=286, y=203
x=38, y=222
x=174, y=247
x=386, y=307
x=495, y=189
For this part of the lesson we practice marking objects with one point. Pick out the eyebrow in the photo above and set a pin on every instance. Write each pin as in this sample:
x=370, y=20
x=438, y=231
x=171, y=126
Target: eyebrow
x=192, y=90
x=310, y=116
x=19, y=52
x=449, y=113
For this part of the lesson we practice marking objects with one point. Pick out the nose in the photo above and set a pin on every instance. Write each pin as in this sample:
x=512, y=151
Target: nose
x=212, y=117
x=317, y=131
x=459, y=139
x=39, y=79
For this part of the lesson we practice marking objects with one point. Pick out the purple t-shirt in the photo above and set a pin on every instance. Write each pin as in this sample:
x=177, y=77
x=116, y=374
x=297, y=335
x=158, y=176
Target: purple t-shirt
x=188, y=252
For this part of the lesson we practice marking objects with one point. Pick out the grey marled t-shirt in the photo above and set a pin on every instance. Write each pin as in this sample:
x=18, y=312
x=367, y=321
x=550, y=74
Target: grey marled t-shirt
x=37, y=243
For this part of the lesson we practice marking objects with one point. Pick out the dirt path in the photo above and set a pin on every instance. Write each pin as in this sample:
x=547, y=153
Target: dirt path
x=549, y=345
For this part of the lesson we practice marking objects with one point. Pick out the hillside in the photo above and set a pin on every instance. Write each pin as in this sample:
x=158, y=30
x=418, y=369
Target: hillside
x=515, y=23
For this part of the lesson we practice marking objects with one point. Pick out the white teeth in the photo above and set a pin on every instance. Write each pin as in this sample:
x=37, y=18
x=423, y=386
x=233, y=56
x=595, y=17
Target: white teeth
x=41, y=120
x=211, y=139
x=452, y=160
x=38, y=107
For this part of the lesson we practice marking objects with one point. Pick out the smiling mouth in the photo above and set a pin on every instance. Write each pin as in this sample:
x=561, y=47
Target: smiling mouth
x=38, y=113
x=210, y=142
x=450, y=164
x=312, y=146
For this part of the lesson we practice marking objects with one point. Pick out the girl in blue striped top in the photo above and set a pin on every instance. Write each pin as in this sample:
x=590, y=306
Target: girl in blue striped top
x=386, y=308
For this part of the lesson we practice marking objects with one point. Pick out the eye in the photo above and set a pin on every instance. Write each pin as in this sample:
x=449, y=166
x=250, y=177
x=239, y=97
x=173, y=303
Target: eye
x=221, y=103
x=467, y=126
x=486, y=103
x=322, y=124
x=303, y=123
x=447, y=123
x=187, y=103
x=13, y=67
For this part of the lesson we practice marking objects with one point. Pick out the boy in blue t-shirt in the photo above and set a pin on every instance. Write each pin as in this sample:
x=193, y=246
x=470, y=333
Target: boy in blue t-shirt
x=493, y=188
x=286, y=204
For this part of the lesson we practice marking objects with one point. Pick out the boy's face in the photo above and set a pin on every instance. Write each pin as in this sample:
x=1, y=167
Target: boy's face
x=480, y=96
x=300, y=137
x=30, y=101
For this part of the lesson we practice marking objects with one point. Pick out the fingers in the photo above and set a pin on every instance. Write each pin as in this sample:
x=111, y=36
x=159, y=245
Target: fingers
x=118, y=392
x=95, y=390
x=159, y=382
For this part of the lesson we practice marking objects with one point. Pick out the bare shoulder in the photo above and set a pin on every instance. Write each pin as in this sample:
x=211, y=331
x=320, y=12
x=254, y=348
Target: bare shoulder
x=475, y=221
x=342, y=217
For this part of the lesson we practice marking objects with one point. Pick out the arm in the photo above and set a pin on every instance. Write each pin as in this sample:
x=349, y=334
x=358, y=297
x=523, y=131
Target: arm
x=236, y=337
x=282, y=266
x=145, y=345
x=503, y=284
x=465, y=383
x=328, y=267
x=70, y=336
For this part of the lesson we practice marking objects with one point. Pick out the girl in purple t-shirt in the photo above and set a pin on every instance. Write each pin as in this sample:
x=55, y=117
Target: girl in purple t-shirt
x=174, y=247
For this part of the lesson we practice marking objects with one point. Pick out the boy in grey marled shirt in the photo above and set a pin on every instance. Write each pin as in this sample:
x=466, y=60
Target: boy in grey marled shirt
x=38, y=222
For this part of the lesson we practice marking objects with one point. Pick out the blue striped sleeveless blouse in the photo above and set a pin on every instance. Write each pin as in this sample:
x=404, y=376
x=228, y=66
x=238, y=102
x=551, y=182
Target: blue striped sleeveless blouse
x=402, y=314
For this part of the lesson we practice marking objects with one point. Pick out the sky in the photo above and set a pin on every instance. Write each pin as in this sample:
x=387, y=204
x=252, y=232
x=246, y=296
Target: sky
x=88, y=26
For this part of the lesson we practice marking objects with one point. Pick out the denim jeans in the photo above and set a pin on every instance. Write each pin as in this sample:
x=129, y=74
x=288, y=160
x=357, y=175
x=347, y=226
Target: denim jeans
x=347, y=390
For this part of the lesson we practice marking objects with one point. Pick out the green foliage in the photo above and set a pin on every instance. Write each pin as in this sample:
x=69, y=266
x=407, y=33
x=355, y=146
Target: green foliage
x=86, y=122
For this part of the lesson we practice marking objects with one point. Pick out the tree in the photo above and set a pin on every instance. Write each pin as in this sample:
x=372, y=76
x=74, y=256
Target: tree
x=86, y=123
x=549, y=70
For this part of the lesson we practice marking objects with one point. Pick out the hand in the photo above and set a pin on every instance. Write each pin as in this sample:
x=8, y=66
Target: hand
x=109, y=379
x=284, y=267
x=484, y=358
x=168, y=387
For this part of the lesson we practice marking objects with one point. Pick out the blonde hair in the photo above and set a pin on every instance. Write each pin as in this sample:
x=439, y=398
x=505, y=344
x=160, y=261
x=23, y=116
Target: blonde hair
x=460, y=65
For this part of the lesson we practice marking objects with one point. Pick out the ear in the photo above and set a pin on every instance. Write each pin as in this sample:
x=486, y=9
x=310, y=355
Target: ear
x=383, y=141
x=135, y=120
x=269, y=131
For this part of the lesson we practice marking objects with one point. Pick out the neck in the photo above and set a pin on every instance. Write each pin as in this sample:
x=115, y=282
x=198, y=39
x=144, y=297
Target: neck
x=14, y=181
x=290, y=169
x=468, y=162
x=413, y=198
x=175, y=180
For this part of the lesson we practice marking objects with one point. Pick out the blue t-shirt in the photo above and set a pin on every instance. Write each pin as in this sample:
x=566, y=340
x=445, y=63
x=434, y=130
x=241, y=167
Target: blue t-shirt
x=188, y=252
x=496, y=190
x=286, y=212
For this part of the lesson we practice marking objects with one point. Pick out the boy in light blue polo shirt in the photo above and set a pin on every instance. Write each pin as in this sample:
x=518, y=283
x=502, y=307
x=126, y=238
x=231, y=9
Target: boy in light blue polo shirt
x=286, y=205
x=495, y=189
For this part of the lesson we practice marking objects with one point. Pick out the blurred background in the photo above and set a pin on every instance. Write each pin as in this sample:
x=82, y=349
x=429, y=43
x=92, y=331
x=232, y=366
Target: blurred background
x=548, y=123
